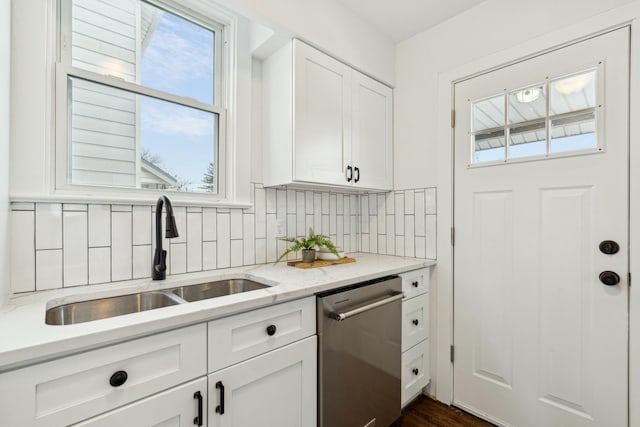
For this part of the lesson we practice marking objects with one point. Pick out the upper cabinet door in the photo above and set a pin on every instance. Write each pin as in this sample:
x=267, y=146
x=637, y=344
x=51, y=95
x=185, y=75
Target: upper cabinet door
x=322, y=112
x=372, y=133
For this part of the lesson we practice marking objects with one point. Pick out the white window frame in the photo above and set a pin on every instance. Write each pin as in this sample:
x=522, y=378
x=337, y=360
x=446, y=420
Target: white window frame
x=223, y=27
x=598, y=111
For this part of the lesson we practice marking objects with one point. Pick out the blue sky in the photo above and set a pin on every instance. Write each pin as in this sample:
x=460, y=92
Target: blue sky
x=179, y=59
x=558, y=145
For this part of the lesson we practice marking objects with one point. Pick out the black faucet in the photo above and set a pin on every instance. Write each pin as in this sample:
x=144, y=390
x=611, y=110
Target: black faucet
x=159, y=268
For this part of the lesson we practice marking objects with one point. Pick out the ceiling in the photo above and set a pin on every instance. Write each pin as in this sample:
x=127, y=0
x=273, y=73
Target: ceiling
x=402, y=19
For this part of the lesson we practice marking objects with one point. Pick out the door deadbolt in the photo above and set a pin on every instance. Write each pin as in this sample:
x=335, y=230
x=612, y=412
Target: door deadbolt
x=609, y=247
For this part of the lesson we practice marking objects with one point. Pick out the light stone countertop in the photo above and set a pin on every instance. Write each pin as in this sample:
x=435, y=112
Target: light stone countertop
x=26, y=339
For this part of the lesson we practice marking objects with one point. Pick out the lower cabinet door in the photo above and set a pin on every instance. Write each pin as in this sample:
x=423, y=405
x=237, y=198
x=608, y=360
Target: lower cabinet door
x=277, y=388
x=182, y=406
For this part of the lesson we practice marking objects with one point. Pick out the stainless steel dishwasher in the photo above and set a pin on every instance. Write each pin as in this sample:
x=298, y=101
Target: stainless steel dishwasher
x=359, y=350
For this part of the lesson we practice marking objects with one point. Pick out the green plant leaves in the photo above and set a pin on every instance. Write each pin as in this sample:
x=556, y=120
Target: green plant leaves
x=309, y=242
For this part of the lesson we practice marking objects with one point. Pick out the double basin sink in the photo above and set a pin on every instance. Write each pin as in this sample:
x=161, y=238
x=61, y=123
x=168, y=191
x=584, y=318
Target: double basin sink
x=86, y=311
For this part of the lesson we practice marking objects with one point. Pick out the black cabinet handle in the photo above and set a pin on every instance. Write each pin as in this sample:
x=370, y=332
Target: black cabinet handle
x=415, y=371
x=349, y=173
x=415, y=284
x=271, y=330
x=198, y=420
x=357, y=171
x=118, y=378
x=415, y=322
x=220, y=407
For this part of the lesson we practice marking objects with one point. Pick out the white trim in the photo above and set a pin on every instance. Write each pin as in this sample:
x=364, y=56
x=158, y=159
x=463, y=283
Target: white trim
x=593, y=26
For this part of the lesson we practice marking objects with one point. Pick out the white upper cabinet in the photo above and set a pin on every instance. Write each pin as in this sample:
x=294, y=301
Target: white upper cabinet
x=324, y=122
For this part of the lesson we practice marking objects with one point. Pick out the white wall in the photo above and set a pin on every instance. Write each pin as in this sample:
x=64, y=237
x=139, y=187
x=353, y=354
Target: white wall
x=5, y=58
x=490, y=27
x=330, y=26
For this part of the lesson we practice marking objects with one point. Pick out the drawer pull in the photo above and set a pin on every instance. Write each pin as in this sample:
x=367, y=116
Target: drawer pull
x=198, y=420
x=220, y=407
x=415, y=284
x=415, y=371
x=118, y=378
x=271, y=330
x=415, y=322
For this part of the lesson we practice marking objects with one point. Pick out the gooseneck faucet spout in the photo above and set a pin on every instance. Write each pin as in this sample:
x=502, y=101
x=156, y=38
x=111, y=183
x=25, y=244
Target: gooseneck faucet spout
x=159, y=268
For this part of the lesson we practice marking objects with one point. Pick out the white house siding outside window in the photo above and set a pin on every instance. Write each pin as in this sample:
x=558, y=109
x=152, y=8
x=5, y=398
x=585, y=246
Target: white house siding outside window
x=139, y=97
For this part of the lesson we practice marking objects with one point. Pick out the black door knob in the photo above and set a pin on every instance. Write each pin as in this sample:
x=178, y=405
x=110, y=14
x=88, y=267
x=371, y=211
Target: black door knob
x=271, y=330
x=609, y=278
x=118, y=378
x=609, y=247
x=415, y=322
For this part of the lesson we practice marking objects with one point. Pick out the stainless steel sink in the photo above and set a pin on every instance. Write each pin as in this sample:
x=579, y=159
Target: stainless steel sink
x=217, y=289
x=86, y=311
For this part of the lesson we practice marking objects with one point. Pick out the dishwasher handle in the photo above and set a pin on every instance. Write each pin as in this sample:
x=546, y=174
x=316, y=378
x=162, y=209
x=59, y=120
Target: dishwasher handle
x=344, y=316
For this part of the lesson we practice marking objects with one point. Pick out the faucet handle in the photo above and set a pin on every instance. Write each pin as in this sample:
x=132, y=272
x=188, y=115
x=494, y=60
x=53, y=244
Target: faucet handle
x=161, y=264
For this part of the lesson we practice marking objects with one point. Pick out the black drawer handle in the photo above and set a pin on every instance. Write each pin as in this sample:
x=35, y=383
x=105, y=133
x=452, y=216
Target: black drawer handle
x=415, y=371
x=220, y=407
x=271, y=330
x=118, y=378
x=415, y=322
x=415, y=284
x=198, y=420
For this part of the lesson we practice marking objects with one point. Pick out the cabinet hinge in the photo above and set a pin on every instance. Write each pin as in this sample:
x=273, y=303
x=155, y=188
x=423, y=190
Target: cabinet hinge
x=453, y=236
x=453, y=119
x=629, y=278
x=452, y=354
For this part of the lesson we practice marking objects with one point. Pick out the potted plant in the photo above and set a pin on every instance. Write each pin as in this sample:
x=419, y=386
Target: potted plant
x=307, y=246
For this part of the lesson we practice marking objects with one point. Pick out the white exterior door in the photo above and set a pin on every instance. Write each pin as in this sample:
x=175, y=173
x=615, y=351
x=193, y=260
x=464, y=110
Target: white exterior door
x=322, y=113
x=372, y=142
x=278, y=388
x=541, y=179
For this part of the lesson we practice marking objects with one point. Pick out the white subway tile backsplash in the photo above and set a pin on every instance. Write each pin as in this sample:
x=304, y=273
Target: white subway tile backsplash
x=76, y=248
x=48, y=269
x=99, y=226
x=236, y=224
x=142, y=260
x=121, y=246
x=56, y=245
x=194, y=241
x=209, y=256
x=430, y=200
x=48, y=226
x=224, y=240
x=142, y=225
x=236, y=253
x=100, y=265
x=178, y=258
x=23, y=253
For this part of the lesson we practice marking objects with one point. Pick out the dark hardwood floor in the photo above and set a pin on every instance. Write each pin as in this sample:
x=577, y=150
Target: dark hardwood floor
x=425, y=412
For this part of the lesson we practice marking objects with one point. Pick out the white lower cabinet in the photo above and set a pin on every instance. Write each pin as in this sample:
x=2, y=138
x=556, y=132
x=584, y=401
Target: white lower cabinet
x=182, y=406
x=277, y=388
x=415, y=333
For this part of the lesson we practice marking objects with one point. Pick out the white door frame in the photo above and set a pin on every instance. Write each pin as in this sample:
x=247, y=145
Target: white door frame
x=626, y=15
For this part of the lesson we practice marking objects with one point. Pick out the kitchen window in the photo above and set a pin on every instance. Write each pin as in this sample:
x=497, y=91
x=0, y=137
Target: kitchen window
x=140, y=98
x=551, y=118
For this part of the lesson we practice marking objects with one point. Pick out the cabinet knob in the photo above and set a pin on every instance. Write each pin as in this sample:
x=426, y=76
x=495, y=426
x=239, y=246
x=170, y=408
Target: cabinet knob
x=414, y=284
x=609, y=278
x=271, y=330
x=118, y=378
x=415, y=322
x=415, y=371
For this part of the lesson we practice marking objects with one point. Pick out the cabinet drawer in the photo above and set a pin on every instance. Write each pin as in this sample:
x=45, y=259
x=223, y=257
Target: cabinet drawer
x=179, y=407
x=415, y=370
x=240, y=337
x=77, y=387
x=415, y=320
x=415, y=282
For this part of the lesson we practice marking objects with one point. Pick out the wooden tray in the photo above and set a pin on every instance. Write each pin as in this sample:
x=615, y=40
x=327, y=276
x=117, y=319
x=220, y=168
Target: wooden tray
x=320, y=263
